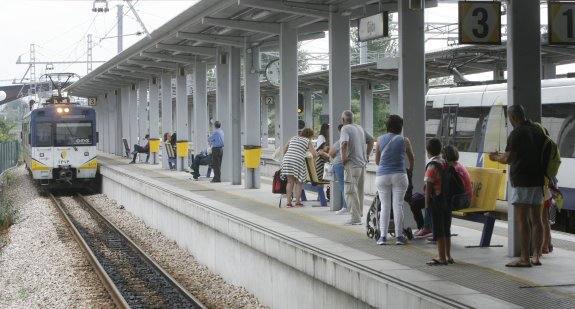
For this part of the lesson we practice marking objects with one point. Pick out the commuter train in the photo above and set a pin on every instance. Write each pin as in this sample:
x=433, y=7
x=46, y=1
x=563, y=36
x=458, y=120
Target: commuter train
x=474, y=119
x=59, y=144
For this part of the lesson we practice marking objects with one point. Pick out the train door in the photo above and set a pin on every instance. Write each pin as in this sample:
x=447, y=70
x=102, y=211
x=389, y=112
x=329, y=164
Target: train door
x=448, y=126
x=495, y=140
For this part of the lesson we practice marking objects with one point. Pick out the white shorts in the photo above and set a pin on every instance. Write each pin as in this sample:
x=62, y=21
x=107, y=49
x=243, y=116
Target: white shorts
x=526, y=195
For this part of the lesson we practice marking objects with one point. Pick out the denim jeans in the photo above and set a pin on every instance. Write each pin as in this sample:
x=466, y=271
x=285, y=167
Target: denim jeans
x=339, y=184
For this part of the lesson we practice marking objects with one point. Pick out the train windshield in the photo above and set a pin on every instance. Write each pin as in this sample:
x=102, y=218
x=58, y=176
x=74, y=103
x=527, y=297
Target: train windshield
x=73, y=134
x=43, y=134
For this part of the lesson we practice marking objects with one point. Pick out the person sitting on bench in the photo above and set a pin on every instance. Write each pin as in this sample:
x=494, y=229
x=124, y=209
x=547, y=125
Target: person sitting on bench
x=139, y=149
x=203, y=158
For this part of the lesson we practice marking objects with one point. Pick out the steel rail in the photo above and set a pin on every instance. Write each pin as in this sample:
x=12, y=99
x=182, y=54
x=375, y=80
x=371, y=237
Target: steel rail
x=104, y=278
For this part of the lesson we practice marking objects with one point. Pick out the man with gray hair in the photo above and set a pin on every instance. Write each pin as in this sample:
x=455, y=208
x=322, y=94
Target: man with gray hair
x=356, y=145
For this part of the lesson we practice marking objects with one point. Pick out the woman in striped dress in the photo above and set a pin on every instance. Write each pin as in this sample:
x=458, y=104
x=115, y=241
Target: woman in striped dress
x=294, y=166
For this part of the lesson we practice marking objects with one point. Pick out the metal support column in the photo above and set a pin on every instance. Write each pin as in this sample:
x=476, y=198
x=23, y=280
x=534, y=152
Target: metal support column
x=167, y=122
x=393, y=98
x=411, y=84
x=200, y=108
x=119, y=122
x=252, y=104
x=234, y=139
x=289, y=82
x=182, y=129
x=143, y=126
x=523, y=78
x=154, y=116
x=223, y=109
x=133, y=116
x=366, y=107
x=325, y=102
x=125, y=101
x=308, y=108
x=112, y=121
x=277, y=111
x=264, y=115
x=339, y=80
x=548, y=70
x=104, y=128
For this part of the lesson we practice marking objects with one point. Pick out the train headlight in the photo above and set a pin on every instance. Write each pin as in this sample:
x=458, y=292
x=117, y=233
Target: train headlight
x=59, y=110
x=41, y=155
x=66, y=110
x=86, y=154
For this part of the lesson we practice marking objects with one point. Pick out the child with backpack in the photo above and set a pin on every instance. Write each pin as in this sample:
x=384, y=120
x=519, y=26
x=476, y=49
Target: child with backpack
x=447, y=188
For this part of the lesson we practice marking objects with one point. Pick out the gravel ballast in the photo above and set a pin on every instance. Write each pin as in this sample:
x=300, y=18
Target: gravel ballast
x=41, y=265
x=206, y=286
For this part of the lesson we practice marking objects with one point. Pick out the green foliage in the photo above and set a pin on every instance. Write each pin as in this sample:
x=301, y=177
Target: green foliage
x=7, y=210
x=5, y=128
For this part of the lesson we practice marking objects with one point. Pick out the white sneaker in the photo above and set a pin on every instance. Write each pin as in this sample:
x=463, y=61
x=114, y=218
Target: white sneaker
x=342, y=211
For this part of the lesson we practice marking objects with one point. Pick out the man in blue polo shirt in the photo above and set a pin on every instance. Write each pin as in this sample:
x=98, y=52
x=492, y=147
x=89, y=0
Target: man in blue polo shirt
x=216, y=141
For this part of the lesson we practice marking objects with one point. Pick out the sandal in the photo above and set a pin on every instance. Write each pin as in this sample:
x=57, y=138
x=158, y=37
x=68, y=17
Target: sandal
x=518, y=264
x=298, y=204
x=289, y=205
x=450, y=261
x=538, y=263
x=436, y=262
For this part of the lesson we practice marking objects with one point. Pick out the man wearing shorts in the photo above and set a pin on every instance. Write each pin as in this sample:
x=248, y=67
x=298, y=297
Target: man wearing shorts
x=523, y=154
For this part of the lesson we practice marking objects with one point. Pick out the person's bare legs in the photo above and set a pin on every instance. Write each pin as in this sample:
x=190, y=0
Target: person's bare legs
x=537, y=231
x=441, y=249
x=289, y=188
x=546, y=244
x=448, y=247
x=297, y=191
x=522, y=212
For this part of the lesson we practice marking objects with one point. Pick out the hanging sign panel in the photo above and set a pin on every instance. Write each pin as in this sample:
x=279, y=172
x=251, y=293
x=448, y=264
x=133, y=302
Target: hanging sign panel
x=373, y=27
x=561, y=23
x=91, y=101
x=480, y=22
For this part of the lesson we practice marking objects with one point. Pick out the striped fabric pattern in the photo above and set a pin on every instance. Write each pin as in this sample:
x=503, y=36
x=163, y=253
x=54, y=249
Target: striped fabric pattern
x=293, y=163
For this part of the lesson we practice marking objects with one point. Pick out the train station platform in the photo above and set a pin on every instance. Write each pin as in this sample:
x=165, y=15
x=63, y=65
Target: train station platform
x=306, y=257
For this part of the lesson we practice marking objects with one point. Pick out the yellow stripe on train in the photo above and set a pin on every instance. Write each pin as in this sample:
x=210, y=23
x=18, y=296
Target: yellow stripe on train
x=37, y=166
x=90, y=165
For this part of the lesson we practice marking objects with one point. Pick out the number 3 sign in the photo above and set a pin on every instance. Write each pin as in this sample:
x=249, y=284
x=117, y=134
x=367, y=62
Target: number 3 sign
x=480, y=22
x=561, y=28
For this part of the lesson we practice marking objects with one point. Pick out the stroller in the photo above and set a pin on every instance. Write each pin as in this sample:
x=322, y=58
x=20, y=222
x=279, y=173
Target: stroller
x=372, y=222
x=372, y=219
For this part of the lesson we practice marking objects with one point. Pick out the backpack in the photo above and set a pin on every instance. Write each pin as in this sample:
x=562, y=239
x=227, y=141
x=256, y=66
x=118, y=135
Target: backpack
x=452, y=187
x=550, y=156
x=279, y=183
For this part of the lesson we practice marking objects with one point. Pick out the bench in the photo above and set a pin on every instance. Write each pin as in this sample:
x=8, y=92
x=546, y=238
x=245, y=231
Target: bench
x=126, y=147
x=171, y=155
x=486, y=184
x=313, y=183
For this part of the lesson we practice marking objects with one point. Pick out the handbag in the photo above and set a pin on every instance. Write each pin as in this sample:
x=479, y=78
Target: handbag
x=328, y=171
x=279, y=183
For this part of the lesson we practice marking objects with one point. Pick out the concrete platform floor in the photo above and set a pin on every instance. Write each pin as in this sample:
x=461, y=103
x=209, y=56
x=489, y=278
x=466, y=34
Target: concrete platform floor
x=479, y=276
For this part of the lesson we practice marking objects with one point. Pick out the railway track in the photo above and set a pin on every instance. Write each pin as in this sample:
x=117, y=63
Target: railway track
x=131, y=277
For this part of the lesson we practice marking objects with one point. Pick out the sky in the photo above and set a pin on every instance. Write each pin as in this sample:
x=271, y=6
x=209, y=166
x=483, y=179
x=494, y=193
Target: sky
x=59, y=29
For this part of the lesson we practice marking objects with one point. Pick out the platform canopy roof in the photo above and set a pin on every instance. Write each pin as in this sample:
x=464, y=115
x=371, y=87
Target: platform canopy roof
x=195, y=33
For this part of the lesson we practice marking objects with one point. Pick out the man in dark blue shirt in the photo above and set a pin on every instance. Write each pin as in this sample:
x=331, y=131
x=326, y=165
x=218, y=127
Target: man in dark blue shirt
x=216, y=141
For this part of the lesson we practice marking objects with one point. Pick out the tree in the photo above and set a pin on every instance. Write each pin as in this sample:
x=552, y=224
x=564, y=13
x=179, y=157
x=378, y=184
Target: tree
x=5, y=128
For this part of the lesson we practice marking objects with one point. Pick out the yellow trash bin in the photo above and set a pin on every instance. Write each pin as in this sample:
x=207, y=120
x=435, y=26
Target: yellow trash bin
x=182, y=149
x=154, y=145
x=252, y=156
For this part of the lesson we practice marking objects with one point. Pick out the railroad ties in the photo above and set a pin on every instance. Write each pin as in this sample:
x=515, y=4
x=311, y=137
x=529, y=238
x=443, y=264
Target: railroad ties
x=131, y=277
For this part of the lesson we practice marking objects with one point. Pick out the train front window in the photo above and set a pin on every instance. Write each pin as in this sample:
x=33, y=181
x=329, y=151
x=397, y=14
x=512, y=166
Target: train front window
x=43, y=134
x=74, y=134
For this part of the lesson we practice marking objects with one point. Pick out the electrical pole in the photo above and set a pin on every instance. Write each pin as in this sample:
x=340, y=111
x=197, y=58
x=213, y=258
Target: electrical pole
x=89, y=55
x=32, y=87
x=120, y=28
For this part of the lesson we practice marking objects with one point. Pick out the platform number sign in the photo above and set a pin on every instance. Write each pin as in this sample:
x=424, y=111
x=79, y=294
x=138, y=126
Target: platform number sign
x=480, y=22
x=91, y=101
x=561, y=19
